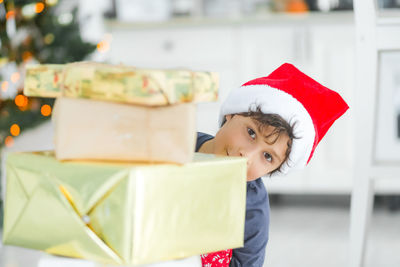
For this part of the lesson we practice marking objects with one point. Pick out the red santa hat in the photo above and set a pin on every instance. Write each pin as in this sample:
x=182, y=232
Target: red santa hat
x=311, y=107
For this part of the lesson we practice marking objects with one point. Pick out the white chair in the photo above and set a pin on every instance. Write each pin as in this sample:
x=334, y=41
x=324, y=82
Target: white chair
x=375, y=34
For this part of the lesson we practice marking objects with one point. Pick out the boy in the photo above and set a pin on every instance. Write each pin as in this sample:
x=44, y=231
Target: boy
x=276, y=122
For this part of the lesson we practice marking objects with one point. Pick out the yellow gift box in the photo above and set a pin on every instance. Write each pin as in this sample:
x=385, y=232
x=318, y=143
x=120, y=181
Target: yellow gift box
x=124, y=213
x=150, y=87
x=100, y=130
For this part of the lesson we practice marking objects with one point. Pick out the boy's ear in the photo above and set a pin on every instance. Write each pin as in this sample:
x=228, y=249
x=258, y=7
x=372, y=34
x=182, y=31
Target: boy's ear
x=228, y=117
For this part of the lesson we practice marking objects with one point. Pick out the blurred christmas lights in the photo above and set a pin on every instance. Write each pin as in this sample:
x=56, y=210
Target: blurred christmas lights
x=9, y=141
x=48, y=38
x=4, y=86
x=65, y=18
x=39, y=7
x=15, y=130
x=104, y=45
x=45, y=110
x=27, y=55
x=15, y=77
x=29, y=11
x=10, y=14
x=21, y=101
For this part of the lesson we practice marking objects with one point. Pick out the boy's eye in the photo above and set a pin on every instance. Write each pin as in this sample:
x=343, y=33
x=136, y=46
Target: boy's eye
x=251, y=133
x=268, y=157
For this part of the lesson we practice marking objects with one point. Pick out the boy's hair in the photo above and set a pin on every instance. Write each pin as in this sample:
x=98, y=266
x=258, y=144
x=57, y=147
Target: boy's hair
x=280, y=125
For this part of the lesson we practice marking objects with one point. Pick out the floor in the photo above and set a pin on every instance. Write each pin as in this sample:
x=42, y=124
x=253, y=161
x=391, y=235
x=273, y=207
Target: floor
x=306, y=231
x=313, y=231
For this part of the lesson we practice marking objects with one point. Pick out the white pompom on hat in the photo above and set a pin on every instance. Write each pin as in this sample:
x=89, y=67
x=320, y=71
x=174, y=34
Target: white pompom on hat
x=301, y=101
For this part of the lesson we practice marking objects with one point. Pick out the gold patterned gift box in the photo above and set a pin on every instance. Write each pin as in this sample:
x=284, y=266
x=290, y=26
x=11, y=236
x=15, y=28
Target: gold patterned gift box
x=124, y=213
x=101, y=130
x=150, y=87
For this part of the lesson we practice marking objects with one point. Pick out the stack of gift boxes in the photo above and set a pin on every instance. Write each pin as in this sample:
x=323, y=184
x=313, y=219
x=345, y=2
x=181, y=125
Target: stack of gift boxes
x=123, y=185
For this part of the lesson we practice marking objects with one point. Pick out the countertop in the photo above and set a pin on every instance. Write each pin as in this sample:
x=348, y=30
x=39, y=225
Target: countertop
x=337, y=17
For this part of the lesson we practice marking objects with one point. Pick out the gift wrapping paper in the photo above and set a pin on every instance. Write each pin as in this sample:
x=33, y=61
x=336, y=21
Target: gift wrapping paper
x=150, y=87
x=119, y=213
x=101, y=130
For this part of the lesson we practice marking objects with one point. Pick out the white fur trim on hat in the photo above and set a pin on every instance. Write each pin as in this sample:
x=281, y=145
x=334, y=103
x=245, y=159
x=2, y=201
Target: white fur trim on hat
x=275, y=101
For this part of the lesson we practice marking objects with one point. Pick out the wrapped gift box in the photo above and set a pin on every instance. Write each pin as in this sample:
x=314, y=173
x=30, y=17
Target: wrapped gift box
x=99, y=130
x=124, y=213
x=149, y=87
x=43, y=80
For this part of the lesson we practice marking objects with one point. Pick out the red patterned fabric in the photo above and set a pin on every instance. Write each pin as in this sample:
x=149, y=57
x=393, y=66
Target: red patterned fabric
x=217, y=259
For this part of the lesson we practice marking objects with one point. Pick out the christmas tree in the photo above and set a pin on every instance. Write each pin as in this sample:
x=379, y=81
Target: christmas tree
x=32, y=32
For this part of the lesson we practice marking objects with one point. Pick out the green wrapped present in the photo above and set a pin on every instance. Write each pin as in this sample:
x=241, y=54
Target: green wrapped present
x=120, y=213
x=124, y=84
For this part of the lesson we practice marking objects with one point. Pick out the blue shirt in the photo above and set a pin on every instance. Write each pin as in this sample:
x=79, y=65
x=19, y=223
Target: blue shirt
x=256, y=227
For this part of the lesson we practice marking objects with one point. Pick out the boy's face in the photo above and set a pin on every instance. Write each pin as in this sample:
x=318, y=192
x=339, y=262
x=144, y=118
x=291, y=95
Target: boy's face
x=240, y=136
